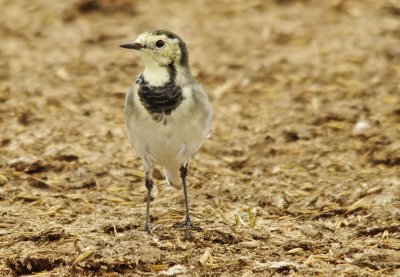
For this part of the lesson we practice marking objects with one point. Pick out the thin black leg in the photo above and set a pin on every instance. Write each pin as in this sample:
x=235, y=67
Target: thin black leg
x=188, y=222
x=183, y=171
x=149, y=186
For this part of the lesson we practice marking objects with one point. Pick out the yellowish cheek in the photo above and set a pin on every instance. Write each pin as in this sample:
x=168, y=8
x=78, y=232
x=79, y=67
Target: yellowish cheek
x=171, y=53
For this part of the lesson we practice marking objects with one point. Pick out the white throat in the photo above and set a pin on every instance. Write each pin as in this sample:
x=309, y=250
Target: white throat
x=154, y=73
x=156, y=76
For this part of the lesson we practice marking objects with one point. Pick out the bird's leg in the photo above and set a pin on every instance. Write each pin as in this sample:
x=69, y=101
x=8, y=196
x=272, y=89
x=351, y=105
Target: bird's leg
x=183, y=171
x=149, y=186
x=188, y=222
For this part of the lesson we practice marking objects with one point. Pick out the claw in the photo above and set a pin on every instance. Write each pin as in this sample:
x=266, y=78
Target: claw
x=148, y=229
x=187, y=224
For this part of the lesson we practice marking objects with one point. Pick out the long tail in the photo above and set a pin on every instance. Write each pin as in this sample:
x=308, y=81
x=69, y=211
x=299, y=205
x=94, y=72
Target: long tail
x=173, y=176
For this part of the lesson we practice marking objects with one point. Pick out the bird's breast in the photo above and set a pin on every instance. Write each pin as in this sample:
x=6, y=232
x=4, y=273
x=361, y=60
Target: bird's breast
x=160, y=100
x=177, y=136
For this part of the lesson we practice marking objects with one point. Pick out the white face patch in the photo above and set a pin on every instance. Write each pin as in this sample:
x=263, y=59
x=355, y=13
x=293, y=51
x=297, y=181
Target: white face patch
x=142, y=38
x=156, y=59
x=164, y=55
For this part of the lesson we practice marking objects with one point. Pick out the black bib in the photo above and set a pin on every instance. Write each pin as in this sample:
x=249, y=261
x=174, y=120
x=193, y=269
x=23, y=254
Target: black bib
x=160, y=100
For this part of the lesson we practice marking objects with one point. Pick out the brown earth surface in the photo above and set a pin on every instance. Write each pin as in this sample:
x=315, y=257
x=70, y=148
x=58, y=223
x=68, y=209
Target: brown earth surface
x=300, y=176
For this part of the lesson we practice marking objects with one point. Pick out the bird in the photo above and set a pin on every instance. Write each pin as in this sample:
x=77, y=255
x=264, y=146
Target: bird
x=167, y=113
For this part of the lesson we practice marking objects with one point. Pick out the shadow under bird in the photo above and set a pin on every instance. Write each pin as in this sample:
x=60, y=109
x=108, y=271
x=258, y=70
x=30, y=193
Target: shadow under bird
x=167, y=114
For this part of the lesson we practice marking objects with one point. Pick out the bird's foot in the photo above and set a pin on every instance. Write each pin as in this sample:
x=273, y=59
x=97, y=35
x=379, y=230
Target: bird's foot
x=188, y=225
x=148, y=229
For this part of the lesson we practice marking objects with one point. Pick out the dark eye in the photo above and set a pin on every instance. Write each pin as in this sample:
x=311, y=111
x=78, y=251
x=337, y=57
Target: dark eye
x=159, y=43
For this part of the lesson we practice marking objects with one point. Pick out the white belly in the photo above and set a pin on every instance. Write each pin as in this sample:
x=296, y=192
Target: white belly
x=176, y=141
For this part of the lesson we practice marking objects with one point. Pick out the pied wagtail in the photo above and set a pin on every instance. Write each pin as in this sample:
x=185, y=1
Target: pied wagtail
x=167, y=113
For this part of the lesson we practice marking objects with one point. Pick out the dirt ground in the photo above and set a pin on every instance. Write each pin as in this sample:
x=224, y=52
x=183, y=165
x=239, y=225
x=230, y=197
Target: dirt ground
x=301, y=175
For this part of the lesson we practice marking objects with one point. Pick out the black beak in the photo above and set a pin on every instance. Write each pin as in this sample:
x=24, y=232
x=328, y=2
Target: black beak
x=134, y=45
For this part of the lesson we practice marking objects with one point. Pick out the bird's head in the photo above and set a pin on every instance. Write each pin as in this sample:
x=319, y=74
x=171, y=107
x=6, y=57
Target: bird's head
x=160, y=47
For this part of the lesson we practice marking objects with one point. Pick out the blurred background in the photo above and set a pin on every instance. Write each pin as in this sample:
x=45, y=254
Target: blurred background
x=305, y=136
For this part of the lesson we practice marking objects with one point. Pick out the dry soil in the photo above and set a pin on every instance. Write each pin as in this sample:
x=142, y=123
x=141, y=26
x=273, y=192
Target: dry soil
x=301, y=175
